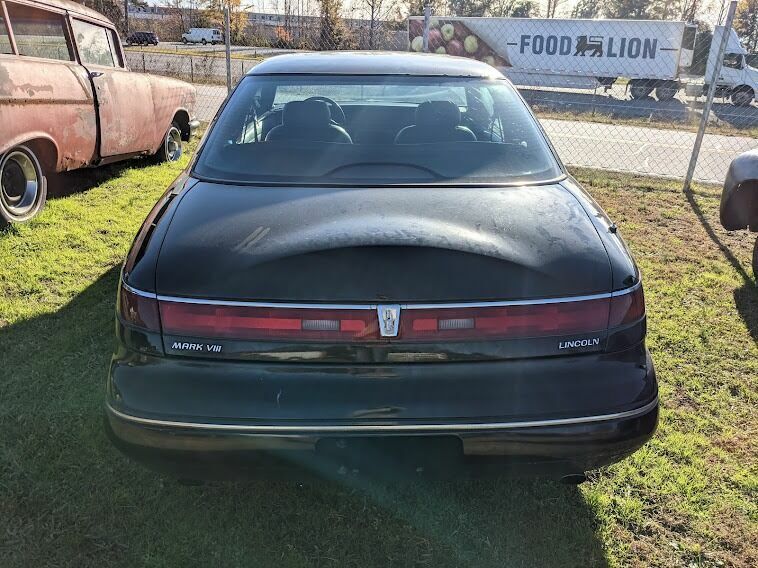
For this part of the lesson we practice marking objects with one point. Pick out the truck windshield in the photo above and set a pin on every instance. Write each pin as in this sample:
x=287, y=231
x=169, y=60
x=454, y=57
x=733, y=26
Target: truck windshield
x=375, y=130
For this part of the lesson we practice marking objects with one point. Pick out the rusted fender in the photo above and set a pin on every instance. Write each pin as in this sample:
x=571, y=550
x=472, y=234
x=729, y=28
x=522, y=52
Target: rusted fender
x=739, y=199
x=171, y=97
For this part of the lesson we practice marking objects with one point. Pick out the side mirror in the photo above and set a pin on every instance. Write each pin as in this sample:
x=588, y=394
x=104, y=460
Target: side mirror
x=739, y=199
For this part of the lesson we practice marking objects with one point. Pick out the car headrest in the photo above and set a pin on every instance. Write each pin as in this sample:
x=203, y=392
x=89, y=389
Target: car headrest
x=306, y=114
x=438, y=114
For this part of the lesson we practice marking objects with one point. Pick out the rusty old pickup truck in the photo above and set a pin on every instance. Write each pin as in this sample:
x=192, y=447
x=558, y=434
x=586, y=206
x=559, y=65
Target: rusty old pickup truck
x=67, y=101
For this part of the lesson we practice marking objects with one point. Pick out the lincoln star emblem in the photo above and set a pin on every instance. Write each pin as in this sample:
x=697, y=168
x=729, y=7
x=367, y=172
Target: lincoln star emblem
x=389, y=320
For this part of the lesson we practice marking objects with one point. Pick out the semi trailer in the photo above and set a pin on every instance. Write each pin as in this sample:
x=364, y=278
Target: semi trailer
x=653, y=57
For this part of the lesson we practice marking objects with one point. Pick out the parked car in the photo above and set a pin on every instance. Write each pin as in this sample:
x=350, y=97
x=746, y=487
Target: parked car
x=400, y=275
x=203, y=35
x=142, y=38
x=69, y=101
x=739, y=199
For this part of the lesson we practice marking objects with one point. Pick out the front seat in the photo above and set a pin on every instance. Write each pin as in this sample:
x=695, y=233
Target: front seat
x=308, y=121
x=436, y=121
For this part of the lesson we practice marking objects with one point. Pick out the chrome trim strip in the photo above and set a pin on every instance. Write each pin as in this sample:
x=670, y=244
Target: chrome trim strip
x=136, y=292
x=315, y=306
x=384, y=428
x=626, y=291
x=312, y=306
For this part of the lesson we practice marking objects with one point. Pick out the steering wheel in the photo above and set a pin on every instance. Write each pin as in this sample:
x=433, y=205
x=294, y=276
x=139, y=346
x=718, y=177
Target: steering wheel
x=335, y=110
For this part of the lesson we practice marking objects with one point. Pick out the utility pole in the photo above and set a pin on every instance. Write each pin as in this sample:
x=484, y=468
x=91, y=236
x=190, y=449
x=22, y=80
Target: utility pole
x=727, y=29
x=126, y=15
x=427, y=21
x=228, y=39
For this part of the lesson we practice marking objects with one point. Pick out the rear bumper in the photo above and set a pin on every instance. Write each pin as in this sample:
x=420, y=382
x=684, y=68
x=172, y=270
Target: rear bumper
x=200, y=418
x=552, y=448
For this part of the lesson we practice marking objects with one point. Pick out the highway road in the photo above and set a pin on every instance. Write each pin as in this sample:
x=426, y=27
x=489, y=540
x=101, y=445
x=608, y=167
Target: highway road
x=644, y=150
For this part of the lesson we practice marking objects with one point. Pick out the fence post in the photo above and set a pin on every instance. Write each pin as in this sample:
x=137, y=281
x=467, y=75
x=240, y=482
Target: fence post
x=227, y=26
x=427, y=19
x=192, y=70
x=143, y=62
x=711, y=93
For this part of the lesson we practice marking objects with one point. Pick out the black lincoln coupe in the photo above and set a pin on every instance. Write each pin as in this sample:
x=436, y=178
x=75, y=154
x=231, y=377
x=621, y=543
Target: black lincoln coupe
x=377, y=261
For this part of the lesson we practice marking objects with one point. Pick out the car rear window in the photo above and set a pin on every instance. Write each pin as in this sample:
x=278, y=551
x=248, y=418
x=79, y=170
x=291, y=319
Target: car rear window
x=39, y=33
x=375, y=130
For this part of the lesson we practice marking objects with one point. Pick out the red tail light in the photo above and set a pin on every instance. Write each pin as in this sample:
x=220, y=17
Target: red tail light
x=244, y=322
x=138, y=310
x=627, y=308
x=252, y=323
x=505, y=322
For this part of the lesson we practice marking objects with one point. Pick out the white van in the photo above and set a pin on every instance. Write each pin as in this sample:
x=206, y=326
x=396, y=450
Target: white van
x=203, y=35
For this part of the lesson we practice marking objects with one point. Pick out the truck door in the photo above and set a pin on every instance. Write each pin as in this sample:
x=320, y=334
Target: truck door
x=732, y=69
x=124, y=99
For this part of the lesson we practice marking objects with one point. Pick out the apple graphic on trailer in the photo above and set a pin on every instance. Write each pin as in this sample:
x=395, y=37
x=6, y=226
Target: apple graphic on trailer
x=448, y=32
x=435, y=38
x=455, y=47
x=471, y=44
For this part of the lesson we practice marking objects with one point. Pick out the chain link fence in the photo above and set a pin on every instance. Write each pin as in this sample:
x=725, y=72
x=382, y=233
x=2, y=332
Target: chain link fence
x=621, y=95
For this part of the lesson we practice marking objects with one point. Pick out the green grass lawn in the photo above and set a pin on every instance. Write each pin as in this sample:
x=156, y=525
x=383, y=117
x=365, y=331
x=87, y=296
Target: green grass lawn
x=67, y=498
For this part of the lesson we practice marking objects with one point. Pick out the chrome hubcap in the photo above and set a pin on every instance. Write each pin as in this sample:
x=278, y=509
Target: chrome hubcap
x=19, y=183
x=173, y=144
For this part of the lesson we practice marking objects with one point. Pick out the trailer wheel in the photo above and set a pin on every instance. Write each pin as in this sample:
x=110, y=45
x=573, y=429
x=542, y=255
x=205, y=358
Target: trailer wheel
x=666, y=91
x=23, y=188
x=742, y=96
x=640, y=89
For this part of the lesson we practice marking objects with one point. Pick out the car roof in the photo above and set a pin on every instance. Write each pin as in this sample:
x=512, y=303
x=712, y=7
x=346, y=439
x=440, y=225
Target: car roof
x=73, y=7
x=374, y=63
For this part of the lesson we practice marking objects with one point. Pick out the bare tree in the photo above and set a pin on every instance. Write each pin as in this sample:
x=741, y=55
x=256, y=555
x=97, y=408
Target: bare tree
x=407, y=8
x=628, y=9
x=550, y=8
x=746, y=23
x=375, y=10
x=514, y=9
x=332, y=34
x=469, y=7
x=690, y=9
x=586, y=9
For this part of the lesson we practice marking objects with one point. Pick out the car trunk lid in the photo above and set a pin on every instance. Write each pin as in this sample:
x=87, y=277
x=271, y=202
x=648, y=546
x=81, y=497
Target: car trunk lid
x=312, y=273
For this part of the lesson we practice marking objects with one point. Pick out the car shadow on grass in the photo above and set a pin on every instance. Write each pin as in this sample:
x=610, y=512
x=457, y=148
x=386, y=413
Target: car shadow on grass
x=746, y=299
x=746, y=296
x=71, y=498
x=84, y=179
x=738, y=117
